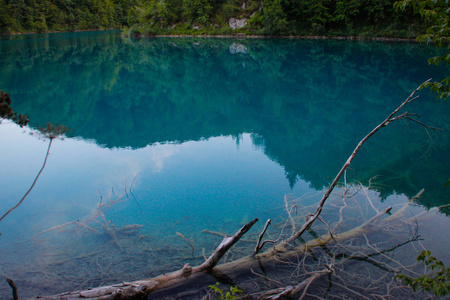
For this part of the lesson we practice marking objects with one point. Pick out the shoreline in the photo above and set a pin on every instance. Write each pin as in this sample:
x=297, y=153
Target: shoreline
x=235, y=36
x=310, y=37
x=51, y=32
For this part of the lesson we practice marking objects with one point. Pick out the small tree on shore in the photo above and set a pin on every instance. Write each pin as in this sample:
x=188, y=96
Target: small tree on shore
x=437, y=15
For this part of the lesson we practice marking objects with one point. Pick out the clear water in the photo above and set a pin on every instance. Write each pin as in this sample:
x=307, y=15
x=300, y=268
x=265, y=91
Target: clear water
x=202, y=134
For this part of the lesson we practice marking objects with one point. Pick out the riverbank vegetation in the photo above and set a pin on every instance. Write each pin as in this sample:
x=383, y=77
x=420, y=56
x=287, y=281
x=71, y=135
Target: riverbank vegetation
x=275, y=17
x=225, y=17
x=65, y=15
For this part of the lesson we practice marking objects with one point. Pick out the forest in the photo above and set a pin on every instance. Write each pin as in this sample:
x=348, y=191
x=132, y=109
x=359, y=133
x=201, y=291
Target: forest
x=262, y=17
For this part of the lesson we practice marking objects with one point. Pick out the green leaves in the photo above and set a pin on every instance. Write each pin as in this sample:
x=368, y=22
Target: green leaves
x=437, y=14
x=231, y=294
x=198, y=10
x=273, y=16
x=49, y=15
x=346, y=10
x=160, y=13
x=436, y=278
x=441, y=88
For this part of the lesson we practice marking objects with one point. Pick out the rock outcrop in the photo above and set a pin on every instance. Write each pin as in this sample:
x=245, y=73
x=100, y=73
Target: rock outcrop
x=237, y=23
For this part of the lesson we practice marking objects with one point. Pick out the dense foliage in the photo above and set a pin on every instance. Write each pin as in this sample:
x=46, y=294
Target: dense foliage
x=324, y=17
x=278, y=17
x=436, y=14
x=57, y=15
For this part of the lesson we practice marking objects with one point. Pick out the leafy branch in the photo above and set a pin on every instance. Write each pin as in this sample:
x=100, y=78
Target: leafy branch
x=437, y=14
x=231, y=294
x=436, y=281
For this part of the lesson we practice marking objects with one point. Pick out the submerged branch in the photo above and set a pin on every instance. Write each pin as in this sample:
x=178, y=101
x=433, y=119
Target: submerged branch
x=226, y=244
x=258, y=244
x=187, y=241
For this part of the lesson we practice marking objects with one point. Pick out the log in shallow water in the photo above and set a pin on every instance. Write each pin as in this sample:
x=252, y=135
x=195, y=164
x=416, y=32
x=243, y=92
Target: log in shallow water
x=200, y=276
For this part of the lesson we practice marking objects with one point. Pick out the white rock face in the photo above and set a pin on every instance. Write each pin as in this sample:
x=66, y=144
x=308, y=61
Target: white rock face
x=237, y=23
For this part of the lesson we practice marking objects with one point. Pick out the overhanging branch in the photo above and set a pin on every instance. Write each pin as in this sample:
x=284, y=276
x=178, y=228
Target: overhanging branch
x=392, y=117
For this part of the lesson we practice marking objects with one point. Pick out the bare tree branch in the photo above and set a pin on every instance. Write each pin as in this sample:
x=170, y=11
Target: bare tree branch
x=258, y=244
x=226, y=244
x=14, y=288
x=389, y=119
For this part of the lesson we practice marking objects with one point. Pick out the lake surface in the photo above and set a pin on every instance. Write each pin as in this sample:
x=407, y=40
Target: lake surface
x=182, y=135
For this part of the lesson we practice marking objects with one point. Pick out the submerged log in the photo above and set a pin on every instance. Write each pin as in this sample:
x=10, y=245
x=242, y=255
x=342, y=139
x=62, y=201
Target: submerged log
x=204, y=274
x=142, y=288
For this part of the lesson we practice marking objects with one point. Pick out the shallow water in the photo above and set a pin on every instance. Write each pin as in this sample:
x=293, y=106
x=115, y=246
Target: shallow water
x=197, y=134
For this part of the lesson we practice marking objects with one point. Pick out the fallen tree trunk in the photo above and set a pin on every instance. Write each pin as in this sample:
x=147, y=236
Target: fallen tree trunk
x=202, y=275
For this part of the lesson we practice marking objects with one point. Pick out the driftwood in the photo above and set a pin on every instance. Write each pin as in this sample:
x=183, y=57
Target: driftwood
x=280, y=252
x=191, y=276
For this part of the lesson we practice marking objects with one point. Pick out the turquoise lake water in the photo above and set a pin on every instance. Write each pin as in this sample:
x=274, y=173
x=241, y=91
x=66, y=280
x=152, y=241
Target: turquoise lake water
x=197, y=134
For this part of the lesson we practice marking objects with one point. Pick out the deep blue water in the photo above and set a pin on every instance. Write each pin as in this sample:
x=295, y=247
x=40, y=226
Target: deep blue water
x=207, y=133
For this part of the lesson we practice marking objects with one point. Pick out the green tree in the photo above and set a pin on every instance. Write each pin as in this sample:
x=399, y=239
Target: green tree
x=346, y=11
x=436, y=13
x=377, y=10
x=6, y=20
x=161, y=12
x=318, y=13
x=274, y=17
x=198, y=10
